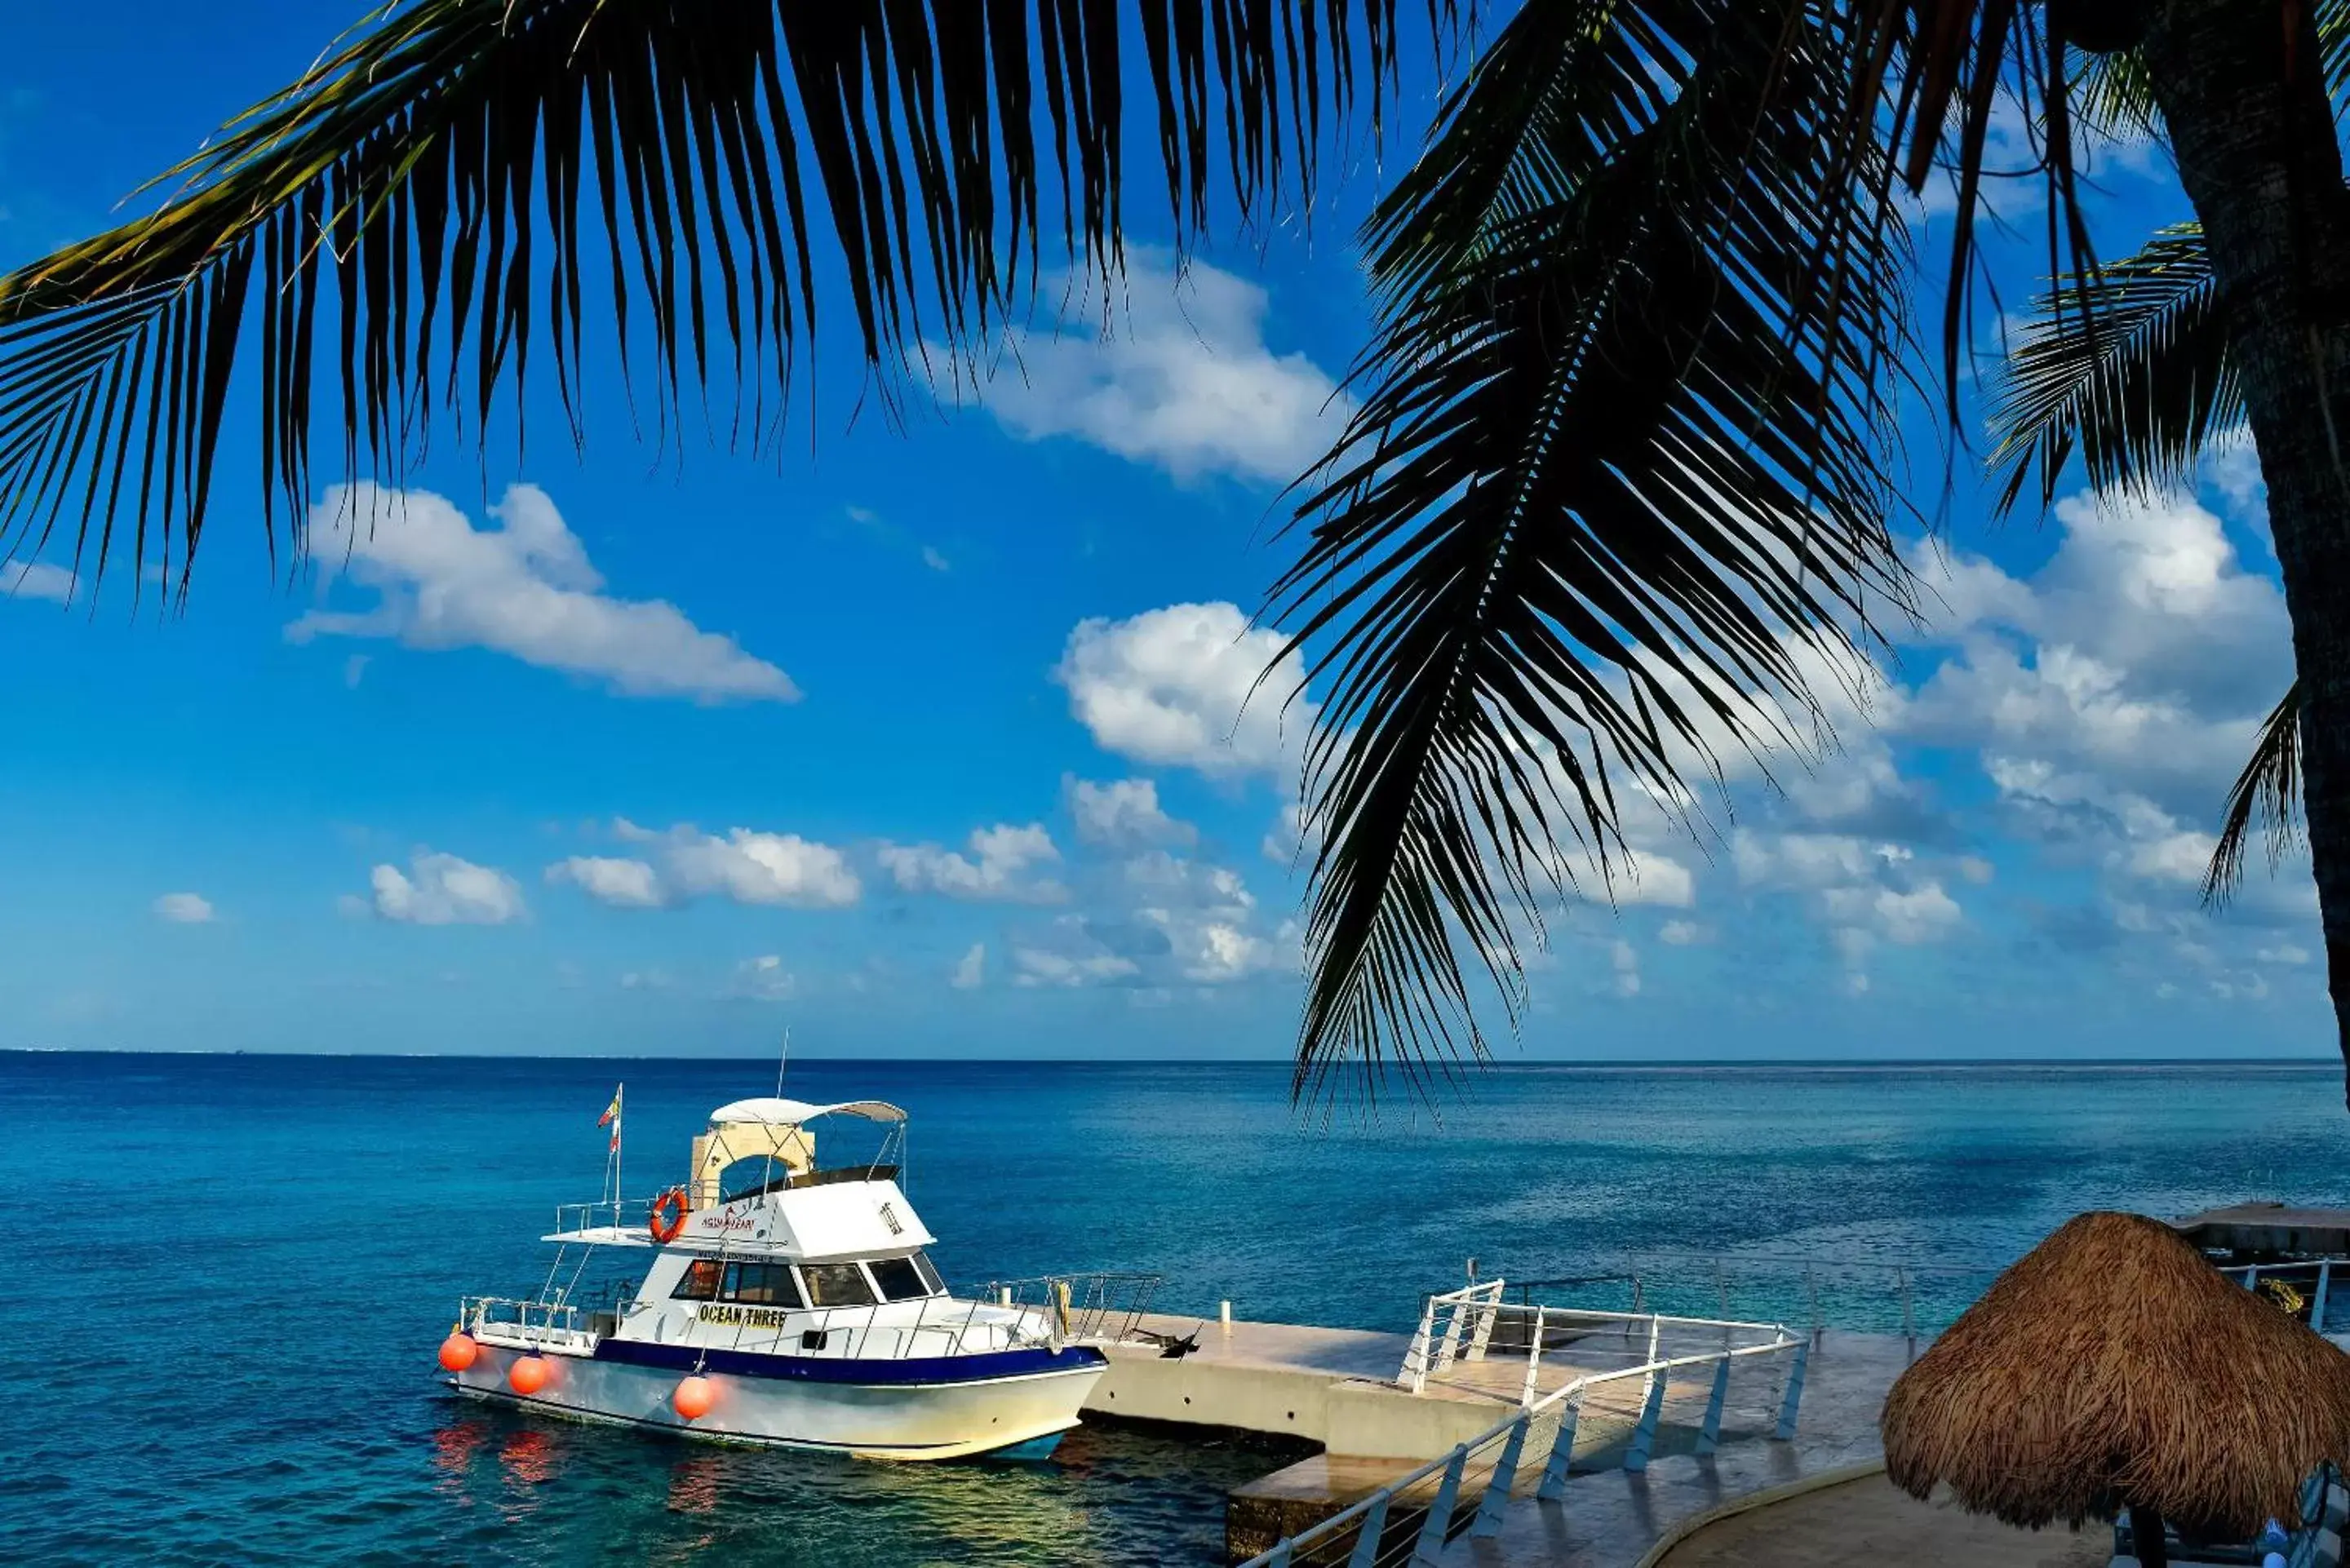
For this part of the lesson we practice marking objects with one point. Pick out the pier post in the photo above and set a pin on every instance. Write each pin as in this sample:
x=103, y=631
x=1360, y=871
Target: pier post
x=1496, y=1500
x=1533, y=1358
x=1644, y=1435
x=1366, y=1535
x=1562, y=1454
x=1224, y=1312
x=1431, y=1545
x=1423, y=1345
x=1795, y=1399
x=1708, y=1436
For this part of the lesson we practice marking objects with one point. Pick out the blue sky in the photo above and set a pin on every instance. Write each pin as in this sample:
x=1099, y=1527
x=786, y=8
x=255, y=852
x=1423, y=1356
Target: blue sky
x=931, y=740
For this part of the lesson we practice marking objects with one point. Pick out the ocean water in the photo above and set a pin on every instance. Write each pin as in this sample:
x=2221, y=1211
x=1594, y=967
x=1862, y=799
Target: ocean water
x=228, y=1275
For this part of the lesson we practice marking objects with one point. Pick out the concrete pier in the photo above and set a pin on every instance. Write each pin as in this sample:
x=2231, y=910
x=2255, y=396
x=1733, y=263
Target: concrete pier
x=1342, y=1389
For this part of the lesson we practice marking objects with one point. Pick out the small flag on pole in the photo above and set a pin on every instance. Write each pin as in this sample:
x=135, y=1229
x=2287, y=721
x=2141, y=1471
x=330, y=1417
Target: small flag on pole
x=611, y=1118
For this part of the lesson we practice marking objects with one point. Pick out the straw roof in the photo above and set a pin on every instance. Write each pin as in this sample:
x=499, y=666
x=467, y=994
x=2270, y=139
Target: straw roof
x=2113, y=1365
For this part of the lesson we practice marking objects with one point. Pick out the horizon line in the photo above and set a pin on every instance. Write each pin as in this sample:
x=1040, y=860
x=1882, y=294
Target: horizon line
x=1285, y=1062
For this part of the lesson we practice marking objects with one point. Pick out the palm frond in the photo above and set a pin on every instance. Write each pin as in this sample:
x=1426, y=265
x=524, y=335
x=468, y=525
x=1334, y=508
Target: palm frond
x=2269, y=789
x=405, y=222
x=1620, y=463
x=2127, y=366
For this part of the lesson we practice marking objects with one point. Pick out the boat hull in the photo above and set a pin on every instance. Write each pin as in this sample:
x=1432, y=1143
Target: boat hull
x=942, y=1409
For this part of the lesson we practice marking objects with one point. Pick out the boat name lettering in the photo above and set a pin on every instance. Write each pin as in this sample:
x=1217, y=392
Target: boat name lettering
x=752, y=1317
x=727, y=1223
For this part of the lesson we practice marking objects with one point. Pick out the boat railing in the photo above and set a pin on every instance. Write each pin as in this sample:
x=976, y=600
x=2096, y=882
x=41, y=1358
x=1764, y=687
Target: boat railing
x=536, y=1324
x=1044, y=1312
x=622, y=1213
x=1467, y=1490
x=1100, y=1306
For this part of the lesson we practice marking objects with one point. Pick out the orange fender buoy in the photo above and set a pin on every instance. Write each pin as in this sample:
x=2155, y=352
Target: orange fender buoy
x=529, y=1375
x=667, y=1216
x=458, y=1351
x=694, y=1398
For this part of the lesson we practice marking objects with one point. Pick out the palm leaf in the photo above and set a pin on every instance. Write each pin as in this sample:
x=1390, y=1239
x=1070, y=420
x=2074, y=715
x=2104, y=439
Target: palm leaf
x=1618, y=465
x=2269, y=789
x=405, y=222
x=2127, y=366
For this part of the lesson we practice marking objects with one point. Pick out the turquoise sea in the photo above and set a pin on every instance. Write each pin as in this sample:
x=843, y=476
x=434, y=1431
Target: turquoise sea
x=228, y=1274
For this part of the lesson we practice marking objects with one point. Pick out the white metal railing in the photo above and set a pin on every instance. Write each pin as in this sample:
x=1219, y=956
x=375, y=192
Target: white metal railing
x=1491, y=1462
x=1470, y=1324
x=1044, y=1312
x=1454, y=1325
x=510, y=1320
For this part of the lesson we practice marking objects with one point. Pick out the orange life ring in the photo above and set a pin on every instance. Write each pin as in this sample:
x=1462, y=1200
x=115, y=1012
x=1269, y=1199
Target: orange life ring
x=667, y=1216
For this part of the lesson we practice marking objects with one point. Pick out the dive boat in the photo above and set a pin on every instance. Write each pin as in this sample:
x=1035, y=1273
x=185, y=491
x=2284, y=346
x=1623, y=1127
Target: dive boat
x=781, y=1304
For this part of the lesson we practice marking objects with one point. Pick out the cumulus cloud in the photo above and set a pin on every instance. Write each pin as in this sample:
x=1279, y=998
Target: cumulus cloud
x=442, y=890
x=524, y=588
x=744, y=865
x=1179, y=687
x=2111, y=698
x=621, y=883
x=1176, y=374
x=763, y=979
x=183, y=908
x=36, y=580
x=999, y=867
x=1123, y=815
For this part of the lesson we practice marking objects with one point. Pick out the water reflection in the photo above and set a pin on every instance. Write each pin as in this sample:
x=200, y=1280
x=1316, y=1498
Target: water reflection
x=1109, y=1497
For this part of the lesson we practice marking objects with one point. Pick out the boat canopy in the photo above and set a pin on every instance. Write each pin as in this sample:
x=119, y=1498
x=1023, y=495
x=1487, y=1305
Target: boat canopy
x=778, y=1113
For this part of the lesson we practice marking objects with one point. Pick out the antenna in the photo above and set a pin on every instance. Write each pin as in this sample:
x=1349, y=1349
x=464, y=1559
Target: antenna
x=782, y=1057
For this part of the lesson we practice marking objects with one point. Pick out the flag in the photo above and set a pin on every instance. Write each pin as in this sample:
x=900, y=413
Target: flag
x=611, y=1118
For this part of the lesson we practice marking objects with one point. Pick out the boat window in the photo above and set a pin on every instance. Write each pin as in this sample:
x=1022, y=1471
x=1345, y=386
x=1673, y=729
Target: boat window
x=930, y=1275
x=837, y=1284
x=762, y=1284
x=699, y=1282
x=897, y=1279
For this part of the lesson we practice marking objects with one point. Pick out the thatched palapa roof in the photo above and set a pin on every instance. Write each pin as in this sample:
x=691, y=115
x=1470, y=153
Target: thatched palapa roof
x=2113, y=1365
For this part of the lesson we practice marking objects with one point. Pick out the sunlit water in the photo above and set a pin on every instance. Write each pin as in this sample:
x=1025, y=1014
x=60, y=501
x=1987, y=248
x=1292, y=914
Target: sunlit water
x=228, y=1274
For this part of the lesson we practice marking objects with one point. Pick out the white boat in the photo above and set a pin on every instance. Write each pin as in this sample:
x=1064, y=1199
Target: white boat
x=782, y=1303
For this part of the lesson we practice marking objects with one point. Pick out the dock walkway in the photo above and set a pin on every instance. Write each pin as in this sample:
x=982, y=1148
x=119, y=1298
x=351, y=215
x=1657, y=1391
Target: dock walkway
x=1616, y=1518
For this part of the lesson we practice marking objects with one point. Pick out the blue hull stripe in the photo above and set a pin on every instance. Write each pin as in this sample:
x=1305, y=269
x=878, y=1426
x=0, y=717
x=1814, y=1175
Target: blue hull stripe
x=927, y=1371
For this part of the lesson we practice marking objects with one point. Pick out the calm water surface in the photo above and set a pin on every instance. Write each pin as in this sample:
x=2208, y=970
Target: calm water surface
x=230, y=1274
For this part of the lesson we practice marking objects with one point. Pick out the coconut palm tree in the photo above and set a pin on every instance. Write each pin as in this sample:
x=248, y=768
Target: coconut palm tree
x=1620, y=462
x=2139, y=384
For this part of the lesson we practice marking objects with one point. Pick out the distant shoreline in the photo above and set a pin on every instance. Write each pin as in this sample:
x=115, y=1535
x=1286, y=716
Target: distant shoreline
x=1283, y=1063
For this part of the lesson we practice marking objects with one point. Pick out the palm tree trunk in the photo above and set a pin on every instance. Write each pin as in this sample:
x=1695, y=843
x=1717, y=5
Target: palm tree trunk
x=2244, y=101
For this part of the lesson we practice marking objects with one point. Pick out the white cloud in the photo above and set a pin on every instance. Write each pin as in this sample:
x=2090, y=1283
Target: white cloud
x=524, y=588
x=971, y=970
x=444, y=890
x=1179, y=687
x=996, y=870
x=1092, y=964
x=1123, y=815
x=684, y=863
x=763, y=979
x=1680, y=933
x=935, y=561
x=1179, y=376
x=36, y=580
x=1624, y=960
x=621, y=883
x=183, y=908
